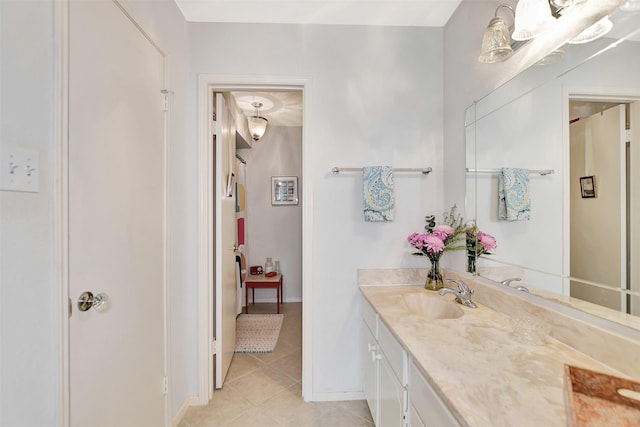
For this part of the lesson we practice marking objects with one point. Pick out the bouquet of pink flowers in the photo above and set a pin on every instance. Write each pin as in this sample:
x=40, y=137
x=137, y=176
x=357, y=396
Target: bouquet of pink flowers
x=436, y=240
x=440, y=238
x=478, y=243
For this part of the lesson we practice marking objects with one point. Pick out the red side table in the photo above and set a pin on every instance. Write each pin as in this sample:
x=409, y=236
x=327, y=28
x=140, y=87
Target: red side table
x=260, y=281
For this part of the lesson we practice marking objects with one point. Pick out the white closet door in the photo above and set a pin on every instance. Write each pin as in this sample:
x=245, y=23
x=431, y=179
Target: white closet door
x=116, y=220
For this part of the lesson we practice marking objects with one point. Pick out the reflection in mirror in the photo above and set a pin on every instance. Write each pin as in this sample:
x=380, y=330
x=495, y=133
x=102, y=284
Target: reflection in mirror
x=602, y=171
x=581, y=244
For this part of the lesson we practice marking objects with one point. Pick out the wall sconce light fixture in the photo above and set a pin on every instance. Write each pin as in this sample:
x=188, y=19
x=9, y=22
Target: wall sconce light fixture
x=595, y=31
x=496, y=42
x=533, y=17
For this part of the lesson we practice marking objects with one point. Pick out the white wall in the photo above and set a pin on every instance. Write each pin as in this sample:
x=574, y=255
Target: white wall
x=465, y=80
x=376, y=98
x=275, y=231
x=28, y=292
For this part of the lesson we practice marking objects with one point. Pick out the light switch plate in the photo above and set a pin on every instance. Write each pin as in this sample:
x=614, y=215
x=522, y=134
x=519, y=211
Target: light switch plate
x=19, y=169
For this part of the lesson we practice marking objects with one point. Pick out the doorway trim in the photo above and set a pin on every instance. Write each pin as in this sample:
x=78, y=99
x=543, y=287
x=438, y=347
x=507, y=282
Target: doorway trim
x=595, y=94
x=208, y=83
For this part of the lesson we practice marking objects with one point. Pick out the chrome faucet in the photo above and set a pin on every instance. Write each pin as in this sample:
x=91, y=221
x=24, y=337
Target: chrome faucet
x=507, y=282
x=463, y=294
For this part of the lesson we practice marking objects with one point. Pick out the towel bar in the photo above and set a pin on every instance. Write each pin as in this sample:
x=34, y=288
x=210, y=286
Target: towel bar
x=336, y=170
x=532, y=171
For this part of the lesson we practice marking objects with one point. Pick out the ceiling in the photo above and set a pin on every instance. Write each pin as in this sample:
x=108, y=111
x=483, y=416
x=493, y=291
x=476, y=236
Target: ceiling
x=414, y=13
x=280, y=108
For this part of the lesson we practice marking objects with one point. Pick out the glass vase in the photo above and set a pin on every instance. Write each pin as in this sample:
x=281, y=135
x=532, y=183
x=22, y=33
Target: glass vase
x=434, y=277
x=471, y=263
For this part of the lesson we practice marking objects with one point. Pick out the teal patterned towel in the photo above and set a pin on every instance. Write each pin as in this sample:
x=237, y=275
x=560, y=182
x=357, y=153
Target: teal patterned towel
x=379, y=201
x=513, y=194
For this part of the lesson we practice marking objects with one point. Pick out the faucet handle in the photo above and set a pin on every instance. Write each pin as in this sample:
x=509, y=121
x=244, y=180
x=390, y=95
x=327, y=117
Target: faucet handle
x=463, y=287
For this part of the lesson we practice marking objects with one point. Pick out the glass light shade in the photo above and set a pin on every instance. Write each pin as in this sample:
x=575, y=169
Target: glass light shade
x=496, y=42
x=595, y=31
x=630, y=5
x=552, y=58
x=566, y=3
x=533, y=17
x=257, y=126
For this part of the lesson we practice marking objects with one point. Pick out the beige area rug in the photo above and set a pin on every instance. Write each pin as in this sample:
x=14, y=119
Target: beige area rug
x=257, y=333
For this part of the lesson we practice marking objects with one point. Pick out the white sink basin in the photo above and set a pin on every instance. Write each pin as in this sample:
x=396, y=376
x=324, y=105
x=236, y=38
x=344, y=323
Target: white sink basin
x=432, y=307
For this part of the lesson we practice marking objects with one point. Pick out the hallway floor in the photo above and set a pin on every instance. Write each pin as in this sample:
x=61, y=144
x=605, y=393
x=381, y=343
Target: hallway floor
x=265, y=390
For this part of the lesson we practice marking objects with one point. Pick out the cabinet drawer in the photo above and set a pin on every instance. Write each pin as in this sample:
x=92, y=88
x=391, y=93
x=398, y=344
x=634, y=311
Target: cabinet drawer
x=426, y=403
x=370, y=317
x=393, y=352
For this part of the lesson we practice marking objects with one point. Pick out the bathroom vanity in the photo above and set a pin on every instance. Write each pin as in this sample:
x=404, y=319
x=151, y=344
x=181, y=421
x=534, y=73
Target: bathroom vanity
x=396, y=392
x=469, y=369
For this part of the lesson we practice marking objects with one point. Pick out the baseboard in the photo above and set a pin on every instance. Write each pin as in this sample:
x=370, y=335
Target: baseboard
x=273, y=300
x=337, y=397
x=188, y=403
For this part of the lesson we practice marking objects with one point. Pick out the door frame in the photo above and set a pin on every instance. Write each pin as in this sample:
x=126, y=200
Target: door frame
x=208, y=83
x=600, y=94
x=60, y=205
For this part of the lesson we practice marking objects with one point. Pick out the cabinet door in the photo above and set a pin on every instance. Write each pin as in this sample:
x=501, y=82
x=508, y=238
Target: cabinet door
x=431, y=410
x=392, y=396
x=370, y=372
x=414, y=418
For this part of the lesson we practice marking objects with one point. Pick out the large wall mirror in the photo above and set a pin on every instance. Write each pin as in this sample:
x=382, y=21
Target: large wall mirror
x=570, y=134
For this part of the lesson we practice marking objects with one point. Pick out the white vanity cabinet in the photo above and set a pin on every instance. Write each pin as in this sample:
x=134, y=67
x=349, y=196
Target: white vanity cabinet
x=384, y=372
x=397, y=393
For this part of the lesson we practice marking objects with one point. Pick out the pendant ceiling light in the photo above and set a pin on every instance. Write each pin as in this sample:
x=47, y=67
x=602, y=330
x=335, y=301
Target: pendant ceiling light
x=533, y=17
x=257, y=123
x=496, y=42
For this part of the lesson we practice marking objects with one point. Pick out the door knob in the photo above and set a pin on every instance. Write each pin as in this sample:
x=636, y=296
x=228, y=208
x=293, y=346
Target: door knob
x=99, y=302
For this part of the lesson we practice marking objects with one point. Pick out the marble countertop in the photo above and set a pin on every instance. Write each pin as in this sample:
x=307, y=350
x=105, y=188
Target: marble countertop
x=484, y=375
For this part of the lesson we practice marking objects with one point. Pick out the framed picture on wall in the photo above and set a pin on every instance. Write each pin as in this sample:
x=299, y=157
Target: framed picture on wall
x=588, y=186
x=284, y=190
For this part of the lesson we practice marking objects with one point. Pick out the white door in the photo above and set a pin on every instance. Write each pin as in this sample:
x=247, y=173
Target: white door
x=597, y=149
x=225, y=294
x=116, y=220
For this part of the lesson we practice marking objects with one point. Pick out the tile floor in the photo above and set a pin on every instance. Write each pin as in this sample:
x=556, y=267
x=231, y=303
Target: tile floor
x=265, y=390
